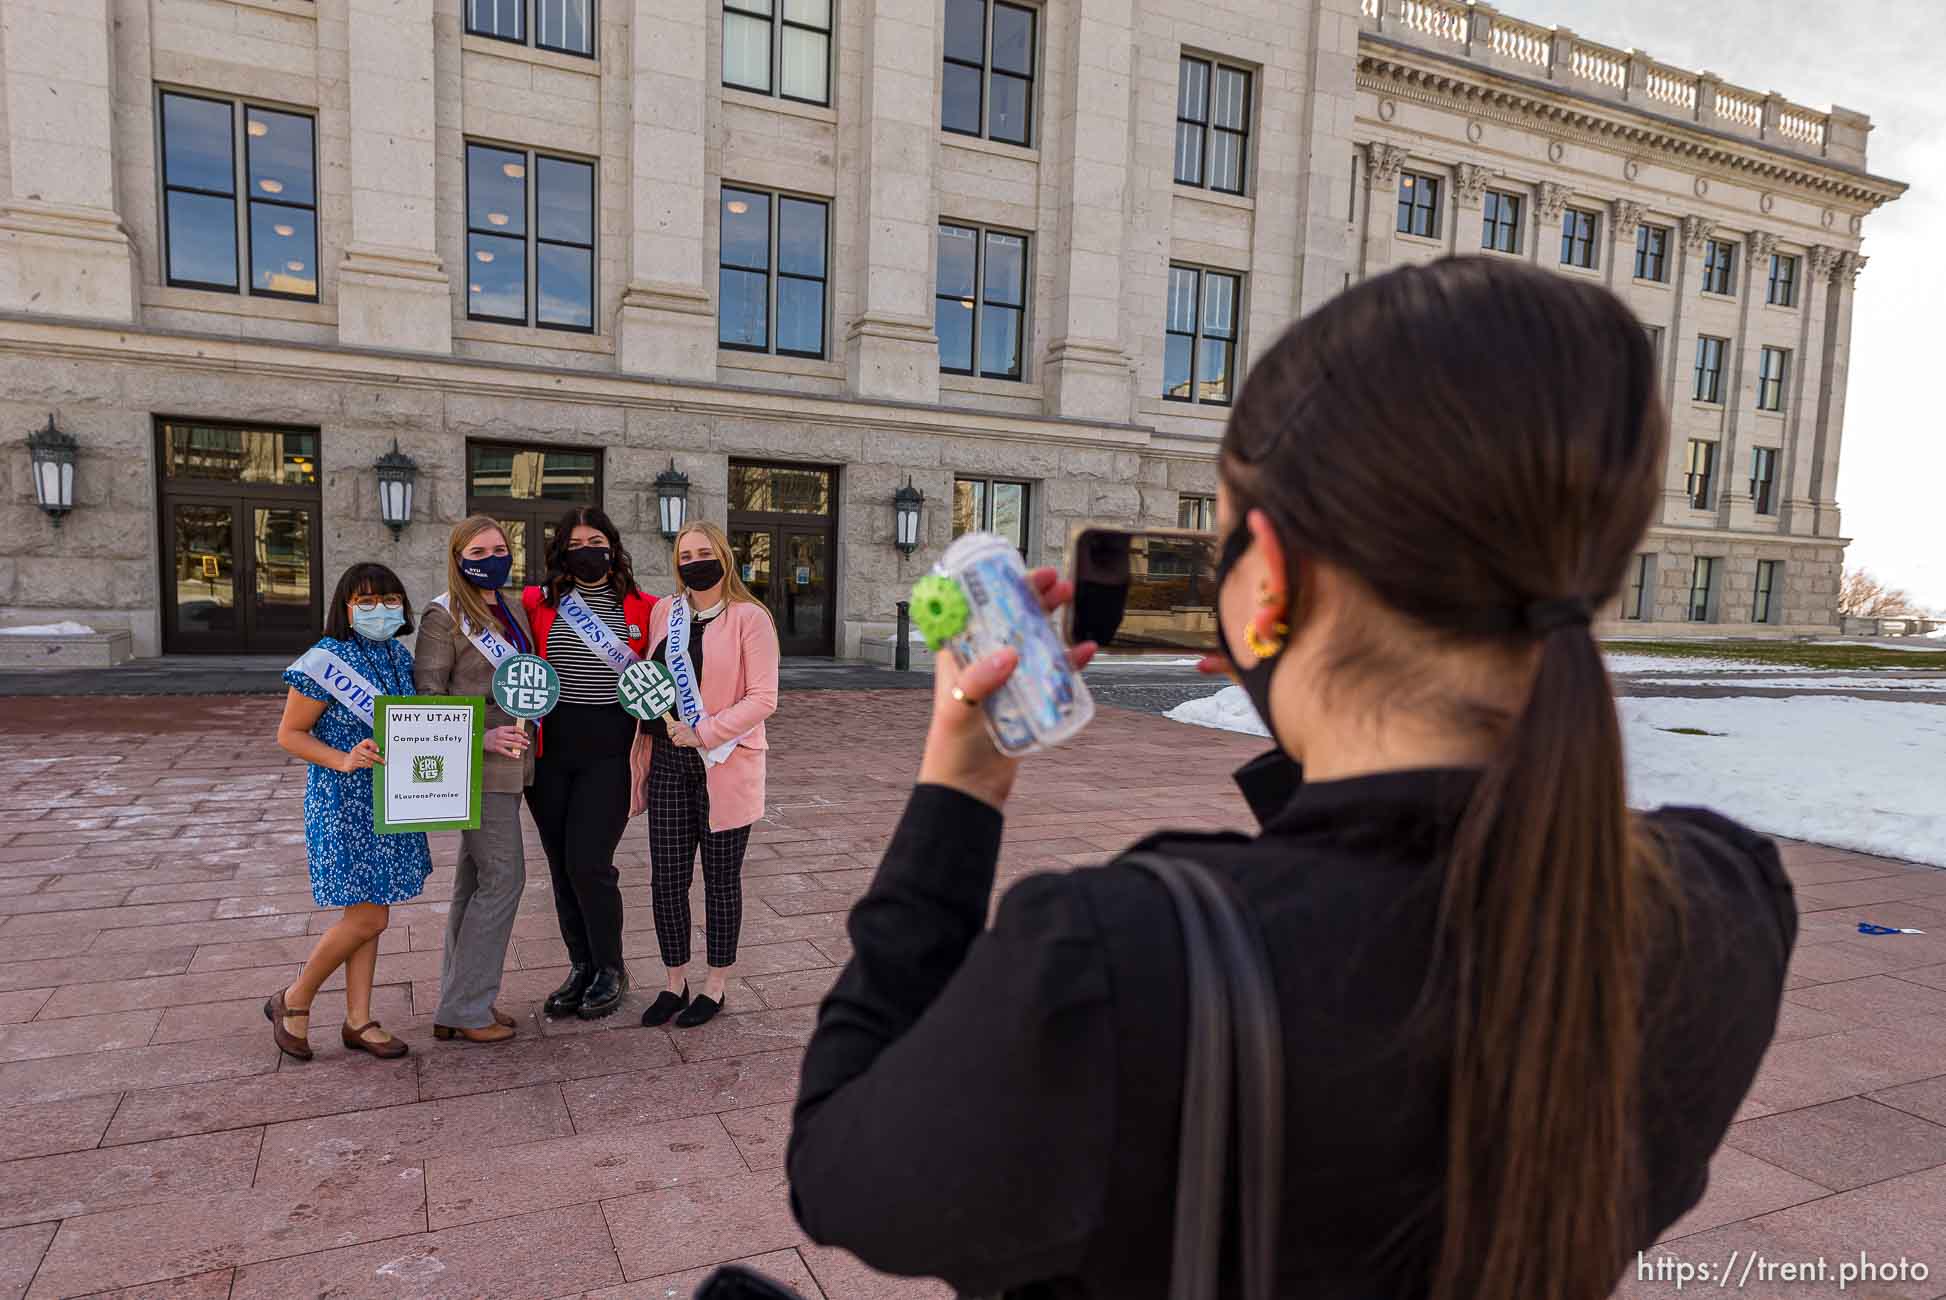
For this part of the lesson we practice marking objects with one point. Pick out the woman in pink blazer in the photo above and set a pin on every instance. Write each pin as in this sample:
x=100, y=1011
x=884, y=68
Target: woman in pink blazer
x=700, y=773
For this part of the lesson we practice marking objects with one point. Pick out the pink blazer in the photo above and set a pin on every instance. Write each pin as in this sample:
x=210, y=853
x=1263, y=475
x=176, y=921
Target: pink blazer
x=739, y=691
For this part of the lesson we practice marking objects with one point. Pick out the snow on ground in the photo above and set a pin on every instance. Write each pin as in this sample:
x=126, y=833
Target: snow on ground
x=49, y=629
x=1855, y=774
x=1891, y=679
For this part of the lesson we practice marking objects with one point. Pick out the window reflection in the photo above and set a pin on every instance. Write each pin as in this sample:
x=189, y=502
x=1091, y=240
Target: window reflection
x=200, y=180
x=199, y=192
x=239, y=454
x=771, y=262
x=780, y=489
x=501, y=186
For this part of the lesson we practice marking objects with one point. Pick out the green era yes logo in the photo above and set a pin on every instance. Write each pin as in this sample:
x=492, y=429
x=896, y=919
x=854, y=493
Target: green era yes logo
x=526, y=686
x=428, y=768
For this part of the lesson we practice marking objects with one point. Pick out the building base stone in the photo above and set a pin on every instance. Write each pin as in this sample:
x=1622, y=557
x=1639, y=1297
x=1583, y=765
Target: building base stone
x=65, y=261
x=667, y=331
x=399, y=300
x=893, y=358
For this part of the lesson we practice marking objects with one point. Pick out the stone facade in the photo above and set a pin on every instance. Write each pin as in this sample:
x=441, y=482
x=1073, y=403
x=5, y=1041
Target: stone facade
x=1342, y=96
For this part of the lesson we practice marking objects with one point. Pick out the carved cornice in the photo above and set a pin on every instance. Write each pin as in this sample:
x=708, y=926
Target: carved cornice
x=1482, y=93
x=1549, y=202
x=1382, y=164
x=1469, y=182
x=1762, y=245
x=1696, y=232
x=1628, y=215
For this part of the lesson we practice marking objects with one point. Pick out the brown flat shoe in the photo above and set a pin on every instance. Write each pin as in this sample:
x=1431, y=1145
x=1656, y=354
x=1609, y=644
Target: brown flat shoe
x=387, y=1047
x=294, y=1045
x=502, y=1018
x=494, y=1033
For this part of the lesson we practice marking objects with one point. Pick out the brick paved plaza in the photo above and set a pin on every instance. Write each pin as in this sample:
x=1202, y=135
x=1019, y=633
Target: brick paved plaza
x=152, y=1141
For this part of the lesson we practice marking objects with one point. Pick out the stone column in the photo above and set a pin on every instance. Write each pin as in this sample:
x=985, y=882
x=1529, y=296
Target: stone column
x=1469, y=188
x=62, y=247
x=1382, y=164
x=891, y=351
x=1807, y=395
x=667, y=322
x=393, y=291
x=1088, y=374
x=1625, y=215
x=1550, y=202
x=1831, y=416
x=1733, y=504
x=1680, y=368
x=1323, y=161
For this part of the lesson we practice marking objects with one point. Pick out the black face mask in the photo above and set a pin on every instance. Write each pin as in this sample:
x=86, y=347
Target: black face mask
x=1255, y=679
x=700, y=575
x=587, y=564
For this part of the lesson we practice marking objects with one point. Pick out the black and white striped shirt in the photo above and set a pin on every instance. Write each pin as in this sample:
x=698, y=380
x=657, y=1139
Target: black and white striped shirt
x=586, y=677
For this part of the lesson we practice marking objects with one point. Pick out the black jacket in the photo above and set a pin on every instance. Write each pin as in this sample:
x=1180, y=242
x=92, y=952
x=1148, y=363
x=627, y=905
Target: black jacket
x=998, y=1107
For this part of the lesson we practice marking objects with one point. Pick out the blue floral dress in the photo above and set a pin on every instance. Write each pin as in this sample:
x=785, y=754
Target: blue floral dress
x=351, y=862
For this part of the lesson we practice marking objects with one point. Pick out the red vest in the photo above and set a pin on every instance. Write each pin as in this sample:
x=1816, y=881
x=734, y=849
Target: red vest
x=635, y=608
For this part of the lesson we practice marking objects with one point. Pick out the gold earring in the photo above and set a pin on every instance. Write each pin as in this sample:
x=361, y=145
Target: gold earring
x=1265, y=645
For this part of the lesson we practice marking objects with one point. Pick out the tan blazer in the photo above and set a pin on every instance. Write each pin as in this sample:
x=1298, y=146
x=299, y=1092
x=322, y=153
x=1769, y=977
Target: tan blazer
x=446, y=663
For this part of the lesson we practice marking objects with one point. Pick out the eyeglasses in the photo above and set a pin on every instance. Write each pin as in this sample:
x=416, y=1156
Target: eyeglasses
x=370, y=603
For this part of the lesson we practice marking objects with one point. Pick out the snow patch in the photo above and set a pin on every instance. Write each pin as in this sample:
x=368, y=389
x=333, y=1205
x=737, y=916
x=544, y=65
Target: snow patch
x=1227, y=710
x=49, y=629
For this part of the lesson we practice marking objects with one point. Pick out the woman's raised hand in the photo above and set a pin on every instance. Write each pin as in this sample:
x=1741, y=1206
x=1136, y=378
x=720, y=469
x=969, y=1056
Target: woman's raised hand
x=360, y=756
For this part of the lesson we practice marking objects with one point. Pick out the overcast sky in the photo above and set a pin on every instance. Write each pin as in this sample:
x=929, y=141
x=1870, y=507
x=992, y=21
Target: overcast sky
x=1881, y=58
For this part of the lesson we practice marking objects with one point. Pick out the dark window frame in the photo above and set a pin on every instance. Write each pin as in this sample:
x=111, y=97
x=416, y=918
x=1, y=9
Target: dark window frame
x=1720, y=268
x=537, y=511
x=1783, y=275
x=529, y=36
x=778, y=21
x=1764, y=603
x=773, y=275
x=987, y=482
x=1580, y=227
x=530, y=236
x=1652, y=253
x=1708, y=387
x=1413, y=186
x=1192, y=507
x=1763, y=480
x=1639, y=588
x=981, y=302
x=240, y=198
x=1702, y=598
x=1200, y=333
x=987, y=73
x=1699, y=484
x=1500, y=214
x=1207, y=128
x=1770, y=387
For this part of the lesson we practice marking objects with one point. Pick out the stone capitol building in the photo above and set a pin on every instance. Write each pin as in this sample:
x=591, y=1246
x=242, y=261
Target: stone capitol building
x=789, y=256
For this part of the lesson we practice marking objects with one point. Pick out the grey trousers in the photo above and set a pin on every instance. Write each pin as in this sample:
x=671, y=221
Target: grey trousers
x=486, y=893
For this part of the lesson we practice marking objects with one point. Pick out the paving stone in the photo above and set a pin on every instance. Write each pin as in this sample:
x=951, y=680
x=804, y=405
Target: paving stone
x=19, y=1007
x=1873, y=1000
x=55, y=1078
x=198, y=932
x=274, y=952
x=48, y=972
x=21, y=902
x=48, y=1127
x=761, y=1134
x=1925, y=1098
x=796, y=988
x=1815, y=1070
x=462, y=1070
x=740, y=1033
x=85, y=1182
x=1741, y=1187
x=391, y=1006
x=784, y=1266
x=843, y=1276
x=704, y=1088
x=304, y=1090
x=77, y=1034
x=214, y=1285
x=21, y=1250
x=1843, y=1144
x=1886, y=1221
x=111, y=916
x=172, y=990
x=702, y=1223
x=369, y=1140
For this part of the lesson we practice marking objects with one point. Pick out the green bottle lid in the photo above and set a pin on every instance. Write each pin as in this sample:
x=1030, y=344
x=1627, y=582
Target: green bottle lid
x=939, y=609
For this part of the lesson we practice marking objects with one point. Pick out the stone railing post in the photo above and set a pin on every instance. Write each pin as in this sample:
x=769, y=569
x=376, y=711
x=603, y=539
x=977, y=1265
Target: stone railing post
x=1773, y=109
x=1479, y=31
x=1637, y=86
x=1391, y=15
x=1560, y=55
x=1706, y=84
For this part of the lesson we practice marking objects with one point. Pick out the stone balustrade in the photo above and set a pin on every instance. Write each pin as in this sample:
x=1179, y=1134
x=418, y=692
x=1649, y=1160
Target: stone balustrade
x=1480, y=33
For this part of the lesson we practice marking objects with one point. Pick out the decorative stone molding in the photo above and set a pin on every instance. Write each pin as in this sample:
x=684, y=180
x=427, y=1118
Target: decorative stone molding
x=1474, y=132
x=1696, y=232
x=1822, y=261
x=1768, y=202
x=1469, y=182
x=1556, y=151
x=1762, y=245
x=1382, y=163
x=1387, y=110
x=1702, y=186
x=1849, y=265
x=1628, y=215
x=1631, y=169
x=1550, y=201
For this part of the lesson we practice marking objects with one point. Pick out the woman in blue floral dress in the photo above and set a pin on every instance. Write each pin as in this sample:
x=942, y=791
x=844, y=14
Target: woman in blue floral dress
x=327, y=723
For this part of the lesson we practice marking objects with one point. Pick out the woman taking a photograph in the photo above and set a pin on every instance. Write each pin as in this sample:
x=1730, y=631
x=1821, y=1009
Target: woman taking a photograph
x=327, y=722
x=590, y=621
x=1516, y=1018
x=465, y=634
x=700, y=773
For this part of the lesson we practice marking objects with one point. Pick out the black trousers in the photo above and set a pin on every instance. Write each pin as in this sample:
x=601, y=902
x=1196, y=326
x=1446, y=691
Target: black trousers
x=579, y=801
x=678, y=826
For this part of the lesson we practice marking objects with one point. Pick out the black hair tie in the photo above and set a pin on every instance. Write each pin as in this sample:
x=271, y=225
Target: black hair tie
x=1543, y=617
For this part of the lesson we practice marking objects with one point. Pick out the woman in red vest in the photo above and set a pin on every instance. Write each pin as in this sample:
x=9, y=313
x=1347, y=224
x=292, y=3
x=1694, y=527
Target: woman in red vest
x=590, y=621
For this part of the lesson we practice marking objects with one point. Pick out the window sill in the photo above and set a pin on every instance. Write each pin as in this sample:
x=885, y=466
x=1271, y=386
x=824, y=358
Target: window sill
x=1714, y=408
x=499, y=49
x=1515, y=256
x=1423, y=241
x=530, y=336
x=1780, y=309
x=1713, y=296
x=976, y=144
x=1764, y=413
x=1190, y=410
x=1645, y=282
x=990, y=387
x=1198, y=194
x=174, y=298
x=778, y=104
x=1569, y=268
x=733, y=359
x=289, y=8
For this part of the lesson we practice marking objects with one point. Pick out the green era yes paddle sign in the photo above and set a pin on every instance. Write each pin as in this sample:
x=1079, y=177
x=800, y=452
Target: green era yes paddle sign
x=526, y=686
x=646, y=690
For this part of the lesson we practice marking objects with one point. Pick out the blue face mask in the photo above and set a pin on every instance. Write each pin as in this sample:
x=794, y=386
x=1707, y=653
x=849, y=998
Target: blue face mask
x=380, y=624
x=489, y=572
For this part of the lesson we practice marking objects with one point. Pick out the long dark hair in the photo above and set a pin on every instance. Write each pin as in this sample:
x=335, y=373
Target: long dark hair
x=621, y=570
x=367, y=578
x=1475, y=440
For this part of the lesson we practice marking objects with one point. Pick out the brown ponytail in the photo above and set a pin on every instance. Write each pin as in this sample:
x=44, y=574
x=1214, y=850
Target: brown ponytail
x=1476, y=440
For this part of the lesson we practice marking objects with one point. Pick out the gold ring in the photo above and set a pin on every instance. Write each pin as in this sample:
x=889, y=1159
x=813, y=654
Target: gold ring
x=965, y=699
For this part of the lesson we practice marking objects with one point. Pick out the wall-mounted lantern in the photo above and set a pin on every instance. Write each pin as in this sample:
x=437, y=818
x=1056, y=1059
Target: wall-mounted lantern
x=53, y=454
x=397, y=475
x=672, y=499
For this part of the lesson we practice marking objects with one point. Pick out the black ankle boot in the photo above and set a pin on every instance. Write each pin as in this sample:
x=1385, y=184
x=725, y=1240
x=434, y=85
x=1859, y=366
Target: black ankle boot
x=566, y=1000
x=603, y=995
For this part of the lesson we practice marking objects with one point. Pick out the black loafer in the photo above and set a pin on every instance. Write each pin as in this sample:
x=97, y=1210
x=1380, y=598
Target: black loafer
x=564, y=1000
x=701, y=1011
x=666, y=1005
x=604, y=995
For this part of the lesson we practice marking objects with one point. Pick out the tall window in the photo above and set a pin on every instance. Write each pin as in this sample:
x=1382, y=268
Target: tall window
x=780, y=47
x=1782, y=291
x=513, y=261
x=1702, y=589
x=1763, y=479
x=1772, y=366
x=1709, y=369
x=1199, y=347
x=564, y=25
x=1578, y=237
x=1500, y=222
x=1635, y=602
x=1652, y=252
x=989, y=79
x=1765, y=608
x=991, y=505
x=1701, y=479
x=980, y=306
x=210, y=149
x=1719, y=267
x=1212, y=125
x=1197, y=512
x=771, y=268
x=1418, y=205
x=527, y=489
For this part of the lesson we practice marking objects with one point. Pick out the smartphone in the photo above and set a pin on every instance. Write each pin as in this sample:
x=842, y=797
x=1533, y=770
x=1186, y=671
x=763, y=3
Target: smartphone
x=1144, y=590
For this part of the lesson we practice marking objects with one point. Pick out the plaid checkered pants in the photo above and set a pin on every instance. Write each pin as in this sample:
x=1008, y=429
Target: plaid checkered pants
x=678, y=826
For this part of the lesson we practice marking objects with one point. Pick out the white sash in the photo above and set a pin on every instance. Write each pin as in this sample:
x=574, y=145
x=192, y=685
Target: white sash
x=488, y=642
x=346, y=684
x=689, y=691
x=594, y=633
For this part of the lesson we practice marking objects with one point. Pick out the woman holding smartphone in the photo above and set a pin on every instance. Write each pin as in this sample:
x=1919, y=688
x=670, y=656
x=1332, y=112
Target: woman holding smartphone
x=590, y=621
x=466, y=633
x=327, y=722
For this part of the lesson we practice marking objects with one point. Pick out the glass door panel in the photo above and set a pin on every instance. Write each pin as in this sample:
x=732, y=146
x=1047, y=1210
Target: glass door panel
x=753, y=549
x=203, y=559
x=804, y=626
x=284, y=579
